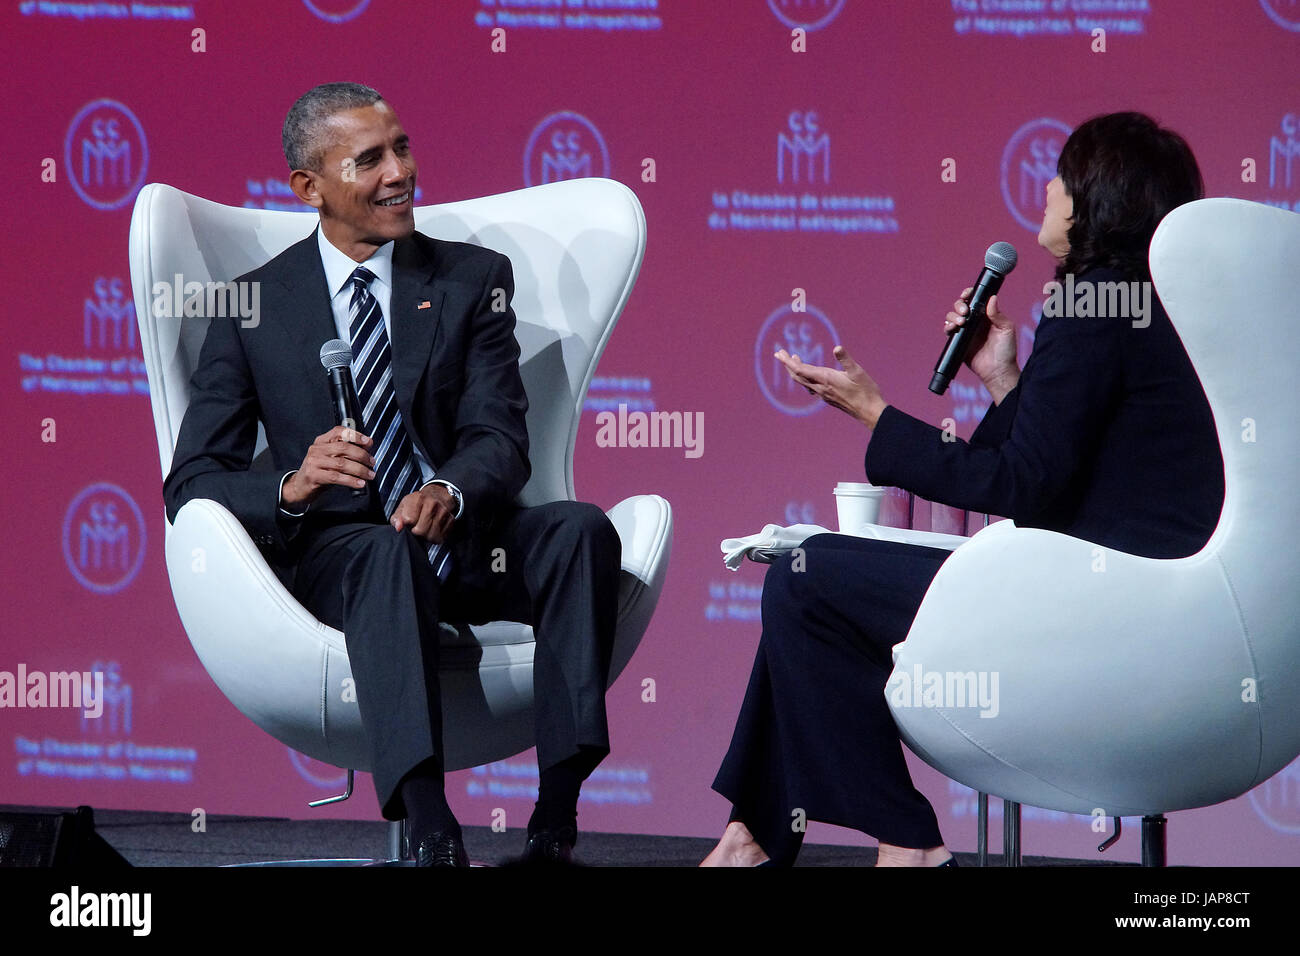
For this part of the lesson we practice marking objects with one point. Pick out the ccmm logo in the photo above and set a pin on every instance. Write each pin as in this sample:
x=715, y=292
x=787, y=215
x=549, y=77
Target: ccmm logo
x=1277, y=799
x=807, y=334
x=105, y=154
x=1285, y=13
x=109, y=317
x=316, y=772
x=1028, y=165
x=564, y=146
x=336, y=11
x=103, y=538
x=808, y=14
x=1283, y=152
x=802, y=149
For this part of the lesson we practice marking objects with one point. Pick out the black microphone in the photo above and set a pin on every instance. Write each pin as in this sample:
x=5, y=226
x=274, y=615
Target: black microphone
x=998, y=261
x=336, y=356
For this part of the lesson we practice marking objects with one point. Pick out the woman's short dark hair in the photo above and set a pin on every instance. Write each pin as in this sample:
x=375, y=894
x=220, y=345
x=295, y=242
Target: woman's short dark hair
x=1125, y=173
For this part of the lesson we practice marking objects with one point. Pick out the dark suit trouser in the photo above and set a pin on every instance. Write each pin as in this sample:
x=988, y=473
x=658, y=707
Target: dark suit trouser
x=815, y=733
x=561, y=567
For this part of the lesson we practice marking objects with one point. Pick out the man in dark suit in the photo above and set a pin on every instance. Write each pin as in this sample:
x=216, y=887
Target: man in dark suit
x=409, y=519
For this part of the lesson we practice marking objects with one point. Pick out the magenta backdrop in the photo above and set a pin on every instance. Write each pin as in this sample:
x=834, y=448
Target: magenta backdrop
x=858, y=129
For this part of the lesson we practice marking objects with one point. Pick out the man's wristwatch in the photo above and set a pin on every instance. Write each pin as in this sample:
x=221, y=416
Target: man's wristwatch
x=455, y=496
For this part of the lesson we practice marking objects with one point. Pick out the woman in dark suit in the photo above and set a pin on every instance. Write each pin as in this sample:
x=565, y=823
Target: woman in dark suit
x=1106, y=410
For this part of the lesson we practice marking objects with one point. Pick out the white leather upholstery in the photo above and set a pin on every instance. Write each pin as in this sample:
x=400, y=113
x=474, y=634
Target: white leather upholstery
x=576, y=248
x=1130, y=688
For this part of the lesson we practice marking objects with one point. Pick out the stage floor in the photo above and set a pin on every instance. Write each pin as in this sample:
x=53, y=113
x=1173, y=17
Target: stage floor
x=167, y=839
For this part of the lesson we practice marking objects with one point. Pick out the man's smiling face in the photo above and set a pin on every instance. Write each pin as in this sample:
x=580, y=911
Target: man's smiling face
x=365, y=189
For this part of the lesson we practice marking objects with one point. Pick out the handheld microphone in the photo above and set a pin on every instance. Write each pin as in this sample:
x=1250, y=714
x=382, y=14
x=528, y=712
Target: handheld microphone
x=999, y=260
x=336, y=356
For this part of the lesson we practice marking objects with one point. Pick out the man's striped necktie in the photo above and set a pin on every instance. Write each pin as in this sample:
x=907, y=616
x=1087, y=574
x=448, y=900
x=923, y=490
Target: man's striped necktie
x=396, y=470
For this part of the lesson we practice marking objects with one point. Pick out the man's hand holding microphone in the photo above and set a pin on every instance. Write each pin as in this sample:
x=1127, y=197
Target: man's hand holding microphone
x=342, y=456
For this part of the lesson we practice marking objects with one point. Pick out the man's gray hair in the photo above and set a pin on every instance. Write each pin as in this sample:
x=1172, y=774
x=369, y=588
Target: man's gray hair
x=303, y=138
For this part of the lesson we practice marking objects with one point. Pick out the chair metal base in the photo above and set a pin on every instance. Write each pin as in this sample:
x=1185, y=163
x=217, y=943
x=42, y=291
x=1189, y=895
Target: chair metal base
x=1010, y=833
x=1154, y=851
x=341, y=797
x=1154, y=847
x=399, y=844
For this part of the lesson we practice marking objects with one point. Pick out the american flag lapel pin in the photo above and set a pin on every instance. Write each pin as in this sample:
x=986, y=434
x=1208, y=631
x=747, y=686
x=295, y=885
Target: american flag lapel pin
x=423, y=305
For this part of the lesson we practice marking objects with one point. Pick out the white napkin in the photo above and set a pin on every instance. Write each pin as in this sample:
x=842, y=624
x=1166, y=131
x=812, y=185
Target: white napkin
x=774, y=540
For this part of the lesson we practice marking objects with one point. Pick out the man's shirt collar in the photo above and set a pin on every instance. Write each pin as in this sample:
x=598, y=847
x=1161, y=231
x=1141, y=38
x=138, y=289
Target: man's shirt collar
x=339, y=267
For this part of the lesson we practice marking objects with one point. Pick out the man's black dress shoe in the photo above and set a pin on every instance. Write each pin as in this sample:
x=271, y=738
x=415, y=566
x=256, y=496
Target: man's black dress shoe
x=550, y=847
x=441, y=849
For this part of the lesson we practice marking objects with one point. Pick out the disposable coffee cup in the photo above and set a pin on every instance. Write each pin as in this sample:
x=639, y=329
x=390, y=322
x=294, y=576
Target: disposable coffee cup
x=857, y=503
